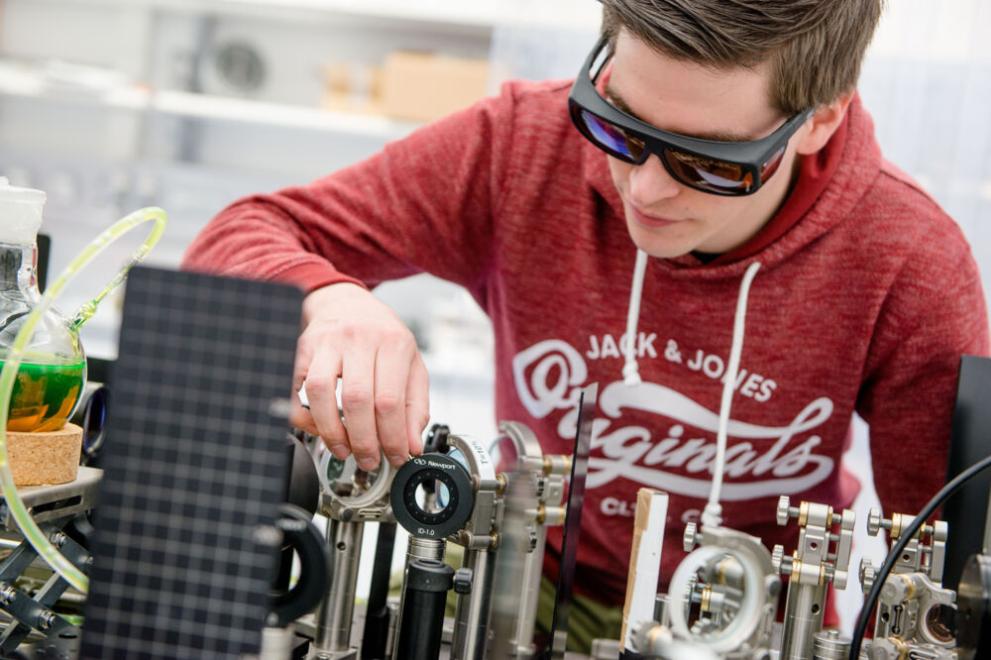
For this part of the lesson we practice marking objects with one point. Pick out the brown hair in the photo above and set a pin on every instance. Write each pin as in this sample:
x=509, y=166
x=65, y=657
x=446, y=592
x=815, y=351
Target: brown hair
x=814, y=47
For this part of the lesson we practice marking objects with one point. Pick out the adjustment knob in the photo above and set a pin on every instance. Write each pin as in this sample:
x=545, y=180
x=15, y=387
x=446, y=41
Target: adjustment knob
x=690, y=537
x=848, y=519
x=874, y=521
x=784, y=510
x=867, y=574
x=777, y=557
x=693, y=591
x=437, y=439
x=462, y=580
x=839, y=579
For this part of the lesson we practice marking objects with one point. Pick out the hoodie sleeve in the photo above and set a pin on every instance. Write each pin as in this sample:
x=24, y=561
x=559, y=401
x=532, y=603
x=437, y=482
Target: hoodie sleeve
x=934, y=314
x=424, y=203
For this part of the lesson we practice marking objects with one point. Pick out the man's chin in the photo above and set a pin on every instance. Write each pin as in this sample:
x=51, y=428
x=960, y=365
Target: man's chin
x=657, y=246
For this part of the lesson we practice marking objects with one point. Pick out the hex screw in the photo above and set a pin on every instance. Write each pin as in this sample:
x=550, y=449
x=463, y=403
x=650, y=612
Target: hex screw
x=46, y=619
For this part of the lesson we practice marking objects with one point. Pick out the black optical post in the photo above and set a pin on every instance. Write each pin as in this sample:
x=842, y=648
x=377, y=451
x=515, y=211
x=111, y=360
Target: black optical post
x=373, y=645
x=422, y=618
x=428, y=579
x=971, y=441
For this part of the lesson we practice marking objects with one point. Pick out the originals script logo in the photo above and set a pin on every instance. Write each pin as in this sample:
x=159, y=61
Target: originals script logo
x=760, y=460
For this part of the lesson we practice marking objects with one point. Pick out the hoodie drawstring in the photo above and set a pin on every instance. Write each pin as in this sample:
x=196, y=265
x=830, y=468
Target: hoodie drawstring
x=631, y=370
x=712, y=515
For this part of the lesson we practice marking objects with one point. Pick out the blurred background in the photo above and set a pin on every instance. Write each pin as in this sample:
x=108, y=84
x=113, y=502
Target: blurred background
x=110, y=105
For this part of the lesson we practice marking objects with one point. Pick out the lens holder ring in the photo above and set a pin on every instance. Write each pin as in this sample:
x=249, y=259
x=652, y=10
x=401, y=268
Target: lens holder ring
x=421, y=516
x=445, y=470
x=377, y=491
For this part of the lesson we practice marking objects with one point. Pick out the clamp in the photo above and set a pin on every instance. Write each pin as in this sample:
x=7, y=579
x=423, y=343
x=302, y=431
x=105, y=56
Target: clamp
x=913, y=604
x=349, y=498
x=730, y=578
x=823, y=555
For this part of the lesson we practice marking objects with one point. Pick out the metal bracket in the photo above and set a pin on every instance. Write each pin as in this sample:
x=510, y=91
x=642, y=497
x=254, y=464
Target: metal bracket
x=822, y=556
x=33, y=612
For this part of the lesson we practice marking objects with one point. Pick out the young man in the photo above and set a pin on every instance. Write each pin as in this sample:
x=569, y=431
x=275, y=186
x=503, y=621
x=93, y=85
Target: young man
x=711, y=136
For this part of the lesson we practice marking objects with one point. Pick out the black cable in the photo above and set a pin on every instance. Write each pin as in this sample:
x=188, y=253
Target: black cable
x=906, y=536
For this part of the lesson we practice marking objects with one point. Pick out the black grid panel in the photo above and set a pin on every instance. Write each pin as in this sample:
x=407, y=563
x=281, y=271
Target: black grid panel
x=195, y=468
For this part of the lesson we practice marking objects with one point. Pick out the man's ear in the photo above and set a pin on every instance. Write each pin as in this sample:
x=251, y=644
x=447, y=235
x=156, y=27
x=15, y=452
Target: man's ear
x=823, y=124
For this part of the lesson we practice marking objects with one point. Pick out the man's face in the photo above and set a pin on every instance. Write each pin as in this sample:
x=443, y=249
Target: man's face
x=664, y=217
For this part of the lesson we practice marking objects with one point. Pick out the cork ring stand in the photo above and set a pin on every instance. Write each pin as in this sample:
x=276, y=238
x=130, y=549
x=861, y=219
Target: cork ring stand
x=50, y=458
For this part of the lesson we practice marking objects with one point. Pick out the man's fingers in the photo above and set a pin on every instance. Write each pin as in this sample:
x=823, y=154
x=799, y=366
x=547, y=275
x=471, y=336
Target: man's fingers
x=321, y=390
x=351, y=334
x=392, y=366
x=417, y=404
x=300, y=417
x=357, y=392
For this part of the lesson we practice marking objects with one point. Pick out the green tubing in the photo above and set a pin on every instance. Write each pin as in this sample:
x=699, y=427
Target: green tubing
x=29, y=528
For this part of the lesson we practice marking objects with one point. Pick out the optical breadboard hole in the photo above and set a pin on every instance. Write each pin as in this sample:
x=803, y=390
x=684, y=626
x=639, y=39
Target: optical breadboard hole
x=195, y=468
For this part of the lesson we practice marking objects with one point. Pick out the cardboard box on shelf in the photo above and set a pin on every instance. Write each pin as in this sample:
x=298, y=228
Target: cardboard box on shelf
x=426, y=86
x=353, y=87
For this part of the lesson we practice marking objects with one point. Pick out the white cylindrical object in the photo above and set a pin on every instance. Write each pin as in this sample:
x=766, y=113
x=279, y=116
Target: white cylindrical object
x=20, y=213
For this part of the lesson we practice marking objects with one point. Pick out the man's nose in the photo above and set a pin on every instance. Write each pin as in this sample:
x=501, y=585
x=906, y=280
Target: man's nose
x=650, y=183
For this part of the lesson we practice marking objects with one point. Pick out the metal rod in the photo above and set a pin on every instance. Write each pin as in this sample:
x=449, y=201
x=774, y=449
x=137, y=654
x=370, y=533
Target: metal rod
x=334, y=617
x=532, y=574
x=392, y=633
x=373, y=640
x=472, y=615
x=803, y=619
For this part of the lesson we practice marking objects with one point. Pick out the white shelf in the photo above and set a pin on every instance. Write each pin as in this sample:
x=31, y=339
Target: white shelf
x=24, y=81
x=482, y=14
x=203, y=106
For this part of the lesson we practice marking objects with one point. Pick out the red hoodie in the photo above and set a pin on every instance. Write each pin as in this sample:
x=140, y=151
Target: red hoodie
x=866, y=299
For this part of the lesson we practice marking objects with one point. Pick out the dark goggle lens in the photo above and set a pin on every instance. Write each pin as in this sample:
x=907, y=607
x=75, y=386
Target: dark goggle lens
x=708, y=173
x=700, y=172
x=612, y=138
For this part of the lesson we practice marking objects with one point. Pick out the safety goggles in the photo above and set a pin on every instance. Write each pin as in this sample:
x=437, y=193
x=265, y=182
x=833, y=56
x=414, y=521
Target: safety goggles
x=712, y=166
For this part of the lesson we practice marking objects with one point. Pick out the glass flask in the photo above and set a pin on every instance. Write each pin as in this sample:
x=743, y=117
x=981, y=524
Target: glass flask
x=52, y=374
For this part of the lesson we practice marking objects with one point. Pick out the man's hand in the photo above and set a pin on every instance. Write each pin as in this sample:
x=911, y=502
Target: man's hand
x=351, y=335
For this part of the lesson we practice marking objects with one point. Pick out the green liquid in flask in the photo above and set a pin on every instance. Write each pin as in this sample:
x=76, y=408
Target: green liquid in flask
x=44, y=395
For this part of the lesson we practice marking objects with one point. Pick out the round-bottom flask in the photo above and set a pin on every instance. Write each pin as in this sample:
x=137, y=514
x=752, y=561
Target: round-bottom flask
x=52, y=373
